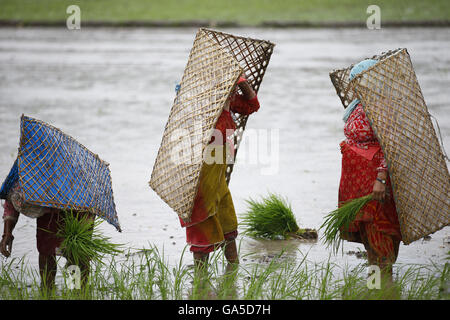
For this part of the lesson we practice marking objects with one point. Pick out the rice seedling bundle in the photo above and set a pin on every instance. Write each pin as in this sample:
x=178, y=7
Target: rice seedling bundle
x=340, y=219
x=272, y=218
x=82, y=241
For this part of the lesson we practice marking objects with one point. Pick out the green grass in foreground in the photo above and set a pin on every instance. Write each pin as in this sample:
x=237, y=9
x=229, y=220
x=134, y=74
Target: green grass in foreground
x=247, y=12
x=147, y=275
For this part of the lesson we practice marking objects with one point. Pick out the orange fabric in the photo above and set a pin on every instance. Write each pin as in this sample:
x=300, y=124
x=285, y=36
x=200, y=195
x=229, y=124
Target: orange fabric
x=382, y=249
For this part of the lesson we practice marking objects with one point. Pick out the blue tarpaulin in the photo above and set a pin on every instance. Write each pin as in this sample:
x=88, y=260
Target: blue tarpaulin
x=56, y=171
x=11, y=179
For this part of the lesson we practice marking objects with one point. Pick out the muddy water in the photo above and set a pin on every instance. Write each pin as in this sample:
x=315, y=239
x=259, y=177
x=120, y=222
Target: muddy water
x=112, y=90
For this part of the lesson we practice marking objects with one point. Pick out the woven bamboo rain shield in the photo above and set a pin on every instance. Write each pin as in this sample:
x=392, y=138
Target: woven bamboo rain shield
x=207, y=82
x=253, y=55
x=54, y=170
x=394, y=104
x=340, y=79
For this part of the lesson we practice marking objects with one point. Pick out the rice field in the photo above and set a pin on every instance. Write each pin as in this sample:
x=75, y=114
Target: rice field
x=146, y=275
x=118, y=86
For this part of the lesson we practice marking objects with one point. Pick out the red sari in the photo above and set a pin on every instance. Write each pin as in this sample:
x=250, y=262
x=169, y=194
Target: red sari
x=377, y=225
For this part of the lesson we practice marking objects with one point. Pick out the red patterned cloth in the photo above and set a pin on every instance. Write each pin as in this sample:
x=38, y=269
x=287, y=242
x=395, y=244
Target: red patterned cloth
x=361, y=138
x=377, y=225
x=213, y=218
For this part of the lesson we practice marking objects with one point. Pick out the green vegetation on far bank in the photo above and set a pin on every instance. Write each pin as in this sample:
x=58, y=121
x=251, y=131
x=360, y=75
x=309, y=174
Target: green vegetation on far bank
x=242, y=12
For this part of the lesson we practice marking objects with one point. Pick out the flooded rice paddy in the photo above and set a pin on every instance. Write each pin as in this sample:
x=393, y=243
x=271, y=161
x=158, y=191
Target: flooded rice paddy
x=112, y=89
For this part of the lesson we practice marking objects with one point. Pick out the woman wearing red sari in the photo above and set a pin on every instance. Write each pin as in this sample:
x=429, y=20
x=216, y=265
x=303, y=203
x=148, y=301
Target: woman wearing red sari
x=364, y=171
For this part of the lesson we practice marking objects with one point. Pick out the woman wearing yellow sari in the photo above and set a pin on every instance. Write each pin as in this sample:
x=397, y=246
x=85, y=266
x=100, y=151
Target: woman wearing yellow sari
x=213, y=222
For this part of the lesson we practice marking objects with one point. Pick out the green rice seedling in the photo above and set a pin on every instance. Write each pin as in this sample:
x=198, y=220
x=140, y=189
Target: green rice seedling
x=179, y=275
x=341, y=218
x=444, y=286
x=258, y=278
x=326, y=281
x=162, y=276
x=352, y=285
x=82, y=242
x=227, y=285
x=12, y=283
x=424, y=282
x=272, y=218
x=280, y=278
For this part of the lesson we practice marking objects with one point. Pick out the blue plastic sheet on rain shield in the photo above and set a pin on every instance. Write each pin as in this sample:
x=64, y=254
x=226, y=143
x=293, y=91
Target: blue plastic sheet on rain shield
x=9, y=182
x=56, y=171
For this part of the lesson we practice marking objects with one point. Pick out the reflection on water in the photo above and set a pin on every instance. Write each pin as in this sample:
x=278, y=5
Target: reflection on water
x=112, y=90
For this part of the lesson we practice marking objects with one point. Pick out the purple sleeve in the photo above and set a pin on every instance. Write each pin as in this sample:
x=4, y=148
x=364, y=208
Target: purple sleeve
x=9, y=211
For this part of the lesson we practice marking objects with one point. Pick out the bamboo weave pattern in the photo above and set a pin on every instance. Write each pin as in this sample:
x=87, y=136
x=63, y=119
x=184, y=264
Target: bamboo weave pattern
x=215, y=63
x=253, y=55
x=393, y=102
x=207, y=82
x=56, y=171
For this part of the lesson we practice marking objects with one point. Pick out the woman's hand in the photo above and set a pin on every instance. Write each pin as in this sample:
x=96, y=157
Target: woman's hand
x=379, y=191
x=6, y=244
x=379, y=188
